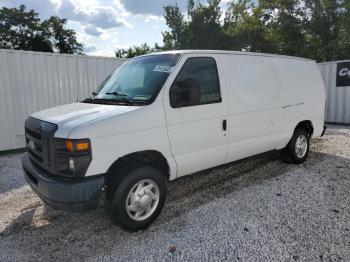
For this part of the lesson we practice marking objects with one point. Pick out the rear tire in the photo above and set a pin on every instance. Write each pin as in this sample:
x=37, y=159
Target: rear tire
x=139, y=198
x=297, y=149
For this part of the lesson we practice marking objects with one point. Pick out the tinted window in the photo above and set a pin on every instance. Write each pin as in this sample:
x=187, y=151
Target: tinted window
x=196, y=84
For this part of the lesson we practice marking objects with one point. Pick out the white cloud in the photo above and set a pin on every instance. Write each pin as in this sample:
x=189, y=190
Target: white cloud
x=101, y=17
x=150, y=7
x=153, y=18
x=91, y=30
x=104, y=26
x=90, y=49
x=106, y=52
x=45, y=8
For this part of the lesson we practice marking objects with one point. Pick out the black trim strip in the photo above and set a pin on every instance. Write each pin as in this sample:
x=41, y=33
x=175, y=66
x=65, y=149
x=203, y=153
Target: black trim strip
x=337, y=123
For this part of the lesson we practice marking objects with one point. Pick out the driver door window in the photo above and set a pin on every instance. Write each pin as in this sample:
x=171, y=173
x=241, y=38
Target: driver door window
x=196, y=84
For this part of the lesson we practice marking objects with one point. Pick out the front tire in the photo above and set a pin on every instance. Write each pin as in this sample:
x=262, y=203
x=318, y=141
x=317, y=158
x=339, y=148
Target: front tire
x=298, y=148
x=139, y=198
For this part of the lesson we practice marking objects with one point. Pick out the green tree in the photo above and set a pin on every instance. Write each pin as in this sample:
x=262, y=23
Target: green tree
x=21, y=29
x=121, y=53
x=316, y=29
x=201, y=29
x=272, y=26
x=245, y=28
x=323, y=27
x=136, y=51
x=176, y=37
x=63, y=40
x=344, y=30
x=284, y=26
x=204, y=30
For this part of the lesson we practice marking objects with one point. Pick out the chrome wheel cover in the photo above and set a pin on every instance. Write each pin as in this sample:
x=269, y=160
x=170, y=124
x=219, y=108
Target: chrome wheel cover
x=142, y=200
x=301, y=146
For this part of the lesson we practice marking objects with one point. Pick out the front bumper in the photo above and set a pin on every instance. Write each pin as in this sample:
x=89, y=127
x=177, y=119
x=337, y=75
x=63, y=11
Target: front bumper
x=60, y=193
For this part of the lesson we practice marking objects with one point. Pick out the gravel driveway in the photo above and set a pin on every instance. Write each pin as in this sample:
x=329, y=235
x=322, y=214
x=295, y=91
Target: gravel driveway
x=259, y=209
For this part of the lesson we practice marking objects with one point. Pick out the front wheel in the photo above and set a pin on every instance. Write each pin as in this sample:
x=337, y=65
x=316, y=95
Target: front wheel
x=139, y=198
x=298, y=148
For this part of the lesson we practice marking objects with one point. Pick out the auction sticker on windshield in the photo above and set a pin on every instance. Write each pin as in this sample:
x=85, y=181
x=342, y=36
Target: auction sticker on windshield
x=163, y=68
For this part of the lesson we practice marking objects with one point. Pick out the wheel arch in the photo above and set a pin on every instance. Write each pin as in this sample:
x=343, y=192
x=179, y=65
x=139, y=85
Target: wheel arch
x=152, y=157
x=307, y=125
x=123, y=165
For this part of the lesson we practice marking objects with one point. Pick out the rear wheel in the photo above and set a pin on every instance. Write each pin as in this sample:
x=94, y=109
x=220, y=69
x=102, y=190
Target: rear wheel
x=298, y=148
x=139, y=198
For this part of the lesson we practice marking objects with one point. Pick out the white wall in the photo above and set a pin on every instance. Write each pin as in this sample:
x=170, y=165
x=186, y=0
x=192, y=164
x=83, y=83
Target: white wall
x=338, y=98
x=32, y=81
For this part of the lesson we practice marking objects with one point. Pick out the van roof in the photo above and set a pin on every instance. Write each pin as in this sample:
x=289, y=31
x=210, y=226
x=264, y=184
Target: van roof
x=229, y=53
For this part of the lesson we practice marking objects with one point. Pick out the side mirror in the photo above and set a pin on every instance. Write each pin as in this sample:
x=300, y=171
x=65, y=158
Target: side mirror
x=184, y=93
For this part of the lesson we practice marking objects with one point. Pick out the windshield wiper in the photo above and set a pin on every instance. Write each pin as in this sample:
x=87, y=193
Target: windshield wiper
x=105, y=100
x=124, y=96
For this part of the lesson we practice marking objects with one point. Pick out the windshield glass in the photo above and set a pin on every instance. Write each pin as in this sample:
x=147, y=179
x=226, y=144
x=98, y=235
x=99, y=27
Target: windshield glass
x=138, y=80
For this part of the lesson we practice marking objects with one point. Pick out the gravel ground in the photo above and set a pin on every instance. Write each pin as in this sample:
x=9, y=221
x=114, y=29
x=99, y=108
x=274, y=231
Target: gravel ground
x=259, y=209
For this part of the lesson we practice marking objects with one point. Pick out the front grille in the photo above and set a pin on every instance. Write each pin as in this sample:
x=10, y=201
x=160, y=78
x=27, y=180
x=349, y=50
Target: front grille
x=33, y=133
x=39, y=141
x=34, y=139
x=36, y=155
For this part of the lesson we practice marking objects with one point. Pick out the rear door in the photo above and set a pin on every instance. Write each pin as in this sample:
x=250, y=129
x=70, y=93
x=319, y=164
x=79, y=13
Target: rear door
x=195, y=115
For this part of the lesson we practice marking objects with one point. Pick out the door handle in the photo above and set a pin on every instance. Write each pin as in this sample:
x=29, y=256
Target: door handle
x=224, y=124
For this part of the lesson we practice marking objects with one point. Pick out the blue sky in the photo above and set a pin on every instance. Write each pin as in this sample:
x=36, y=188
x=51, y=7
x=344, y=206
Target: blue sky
x=106, y=25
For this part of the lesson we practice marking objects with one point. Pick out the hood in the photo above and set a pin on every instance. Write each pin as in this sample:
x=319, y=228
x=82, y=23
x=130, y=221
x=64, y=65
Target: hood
x=68, y=117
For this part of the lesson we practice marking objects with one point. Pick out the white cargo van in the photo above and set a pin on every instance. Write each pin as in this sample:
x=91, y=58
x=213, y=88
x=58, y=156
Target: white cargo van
x=162, y=116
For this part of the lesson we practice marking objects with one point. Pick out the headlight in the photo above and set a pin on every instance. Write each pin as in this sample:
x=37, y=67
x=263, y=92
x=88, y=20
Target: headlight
x=72, y=156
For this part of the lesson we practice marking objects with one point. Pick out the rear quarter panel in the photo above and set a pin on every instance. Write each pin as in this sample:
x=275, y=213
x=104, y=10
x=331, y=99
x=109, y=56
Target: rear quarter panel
x=269, y=96
x=302, y=97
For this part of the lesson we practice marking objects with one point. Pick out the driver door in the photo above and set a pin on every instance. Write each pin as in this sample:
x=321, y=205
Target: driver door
x=195, y=108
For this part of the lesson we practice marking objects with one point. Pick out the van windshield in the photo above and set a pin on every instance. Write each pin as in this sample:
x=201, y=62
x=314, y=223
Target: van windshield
x=138, y=81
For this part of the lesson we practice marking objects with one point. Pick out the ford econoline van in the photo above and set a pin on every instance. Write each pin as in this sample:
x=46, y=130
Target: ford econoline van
x=162, y=116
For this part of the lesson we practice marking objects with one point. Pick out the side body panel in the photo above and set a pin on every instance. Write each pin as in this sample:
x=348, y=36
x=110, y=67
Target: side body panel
x=196, y=133
x=302, y=98
x=253, y=84
x=269, y=96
